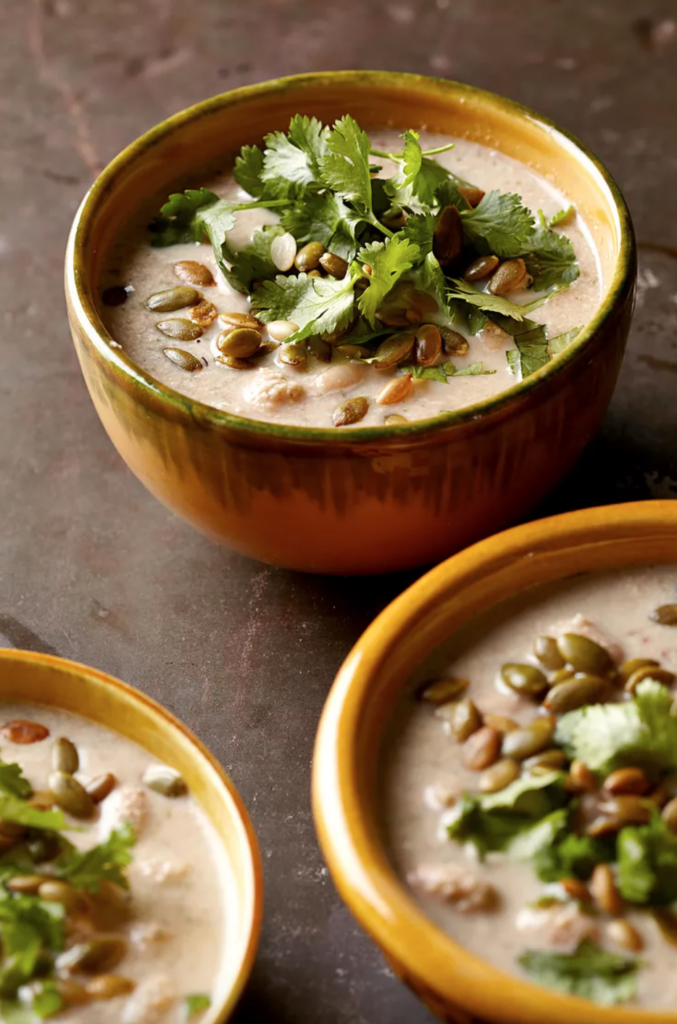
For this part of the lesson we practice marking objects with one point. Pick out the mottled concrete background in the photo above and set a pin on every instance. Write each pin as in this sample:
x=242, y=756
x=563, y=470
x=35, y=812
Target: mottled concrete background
x=93, y=568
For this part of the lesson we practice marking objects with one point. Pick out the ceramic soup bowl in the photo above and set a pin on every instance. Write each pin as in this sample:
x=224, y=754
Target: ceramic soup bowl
x=55, y=682
x=455, y=984
x=356, y=500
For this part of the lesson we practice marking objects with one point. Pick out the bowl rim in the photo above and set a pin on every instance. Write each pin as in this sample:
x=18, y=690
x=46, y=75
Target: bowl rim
x=252, y=898
x=84, y=309
x=342, y=814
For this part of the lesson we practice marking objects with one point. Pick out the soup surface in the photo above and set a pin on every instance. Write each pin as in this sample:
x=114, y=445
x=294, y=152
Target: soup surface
x=172, y=926
x=498, y=906
x=309, y=395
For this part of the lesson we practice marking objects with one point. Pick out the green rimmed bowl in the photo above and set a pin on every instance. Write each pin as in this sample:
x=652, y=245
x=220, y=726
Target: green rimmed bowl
x=359, y=500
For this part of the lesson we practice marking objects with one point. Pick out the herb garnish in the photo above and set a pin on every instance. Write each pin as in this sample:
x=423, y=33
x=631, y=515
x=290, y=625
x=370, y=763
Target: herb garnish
x=321, y=181
x=591, y=973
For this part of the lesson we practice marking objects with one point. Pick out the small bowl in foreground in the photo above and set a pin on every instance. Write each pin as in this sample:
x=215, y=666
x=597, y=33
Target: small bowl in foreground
x=454, y=983
x=351, y=500
x=55, y=682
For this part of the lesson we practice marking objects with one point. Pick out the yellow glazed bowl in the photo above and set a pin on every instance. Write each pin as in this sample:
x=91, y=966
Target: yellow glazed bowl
x=46, y=680
x=454, y=983
x=355, y=500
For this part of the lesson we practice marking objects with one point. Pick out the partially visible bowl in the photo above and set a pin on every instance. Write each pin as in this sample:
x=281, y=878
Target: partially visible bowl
x=46, y=680
x=456, y=985
x=355, y=500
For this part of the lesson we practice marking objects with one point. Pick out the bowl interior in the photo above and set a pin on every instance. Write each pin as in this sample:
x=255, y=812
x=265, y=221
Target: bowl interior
x=355, y=717
x=27, y=677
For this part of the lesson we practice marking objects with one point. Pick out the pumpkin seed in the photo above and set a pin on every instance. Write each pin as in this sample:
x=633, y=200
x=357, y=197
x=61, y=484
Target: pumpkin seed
x=334, y=265
x=395, y=420
x=234, y=363
x=481, y=268
x=576, y=889
x=574, y=693
x=394, y=350
x=463, y=718
x=527, y=680
x=499, y=775
x=185, y=360
x=280, y=330
x=71, y=992
x=660, y=675
x=550, y=759
x=109, y=986
x=41, y=801
x=351, y=411
x=471, y=194
x=115, y=296
x=164, y=780
x=500, y=723
x=179, y=329
x=628, y=667
x=667, y=924
x=626, y=781
x=292, y=355
x=428, y=344
x=561, y=675
x=624, y=935
x=448, y=236
x=482, y=748
x=660, y=796
x=23, y=731
x=54, y=891
x=194, y=273
x=581, y=778
x=308, y=257
x=395, y=390
x=283, y=251
x=510, y=275
x=669, y=814
x=101, y=787
x=241, y=342
x=69, y=795
x=243, y=320
x=321, y=349
x=453, y=343
x=171, y=299
x=204, y=314
x=546, y=650
x=584, y=654
x=27, y=885
x=424, y=302
x=528, y=740
x=666, y=614
x=396, y=316
x=443, y=690
x=314, y=273
x=96, y=956
x=625, y=810
x=354, y=351
x=65, y=756
x=604, y=891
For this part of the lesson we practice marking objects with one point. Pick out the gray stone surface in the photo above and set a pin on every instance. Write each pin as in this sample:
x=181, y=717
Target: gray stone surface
x=93, y=568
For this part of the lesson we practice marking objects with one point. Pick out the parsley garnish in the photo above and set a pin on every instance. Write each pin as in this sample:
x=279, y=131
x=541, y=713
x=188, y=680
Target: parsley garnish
x=106, y=862
x=591, y=973
x=196, y=1004
x=647, y=863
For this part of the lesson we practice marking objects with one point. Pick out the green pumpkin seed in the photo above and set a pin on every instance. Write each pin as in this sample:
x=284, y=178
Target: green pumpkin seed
x=481, y=268
x=666, y=614
x=561, y=675
x=101, y=787
x=428, y=344
x=604, y=891
x=185, y=360
x=109, y=986
x=232, y=320
x=351, y=411
x=179, y=329
x=27, y=885
x=164, y=780
x=194, y=273
x=625, y=935
x=499, y=775
x=72, y=994
x=241, y=343
x=291, y=354
x=54, y=891
x=97, y=956
x=354, y=351
x=482, y=748
x=65, y=756
x=463, y=718
x=660, y=675
x=308, y=258
x=529, y=740
x=234, y=363
x=394, y=350
x=628, y=810
x=108, y=908
x=395, y=420
x=443, y=690
x=334, y=265
x=669, y=814
x=545, y=649
x=321, y=349
x=510, y=275
x=448, y=236
x=575, y=693
x=471, y=194
x=527, y=680
x=501, y=723
x=70, y=796
x=628, y=667
x=550, y=759
x=44, y=847
x=172, y=299
x=584, y=654
x=453, y=343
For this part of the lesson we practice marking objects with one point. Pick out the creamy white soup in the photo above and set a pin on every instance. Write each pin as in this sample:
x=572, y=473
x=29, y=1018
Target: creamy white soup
x=309, y=392
x=136, y=943
x=532, y=812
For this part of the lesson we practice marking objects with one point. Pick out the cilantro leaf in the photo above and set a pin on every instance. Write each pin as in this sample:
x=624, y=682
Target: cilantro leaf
x=647, y=863
x=345, y=168
x=562, y=216
x=562, y=341
x=419, y=229
x=17, y=810
x=13, y=782
x=14, y=1012
x=248, y=169
x=551, y=260
x=46, y=1000
x=472, y=370
x=105, y=862
x=499, y=224
x=590, y=973
x=196, y=1004
x=447, y=193
x=532, y=348
x=557, y=852
x=296, y=156
x=324, y=217
x=178, y=217
x=389, y=261
x=253, y=262
x=319, y=305
x=491, y=821
x=412, y=158
x=488, y=303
